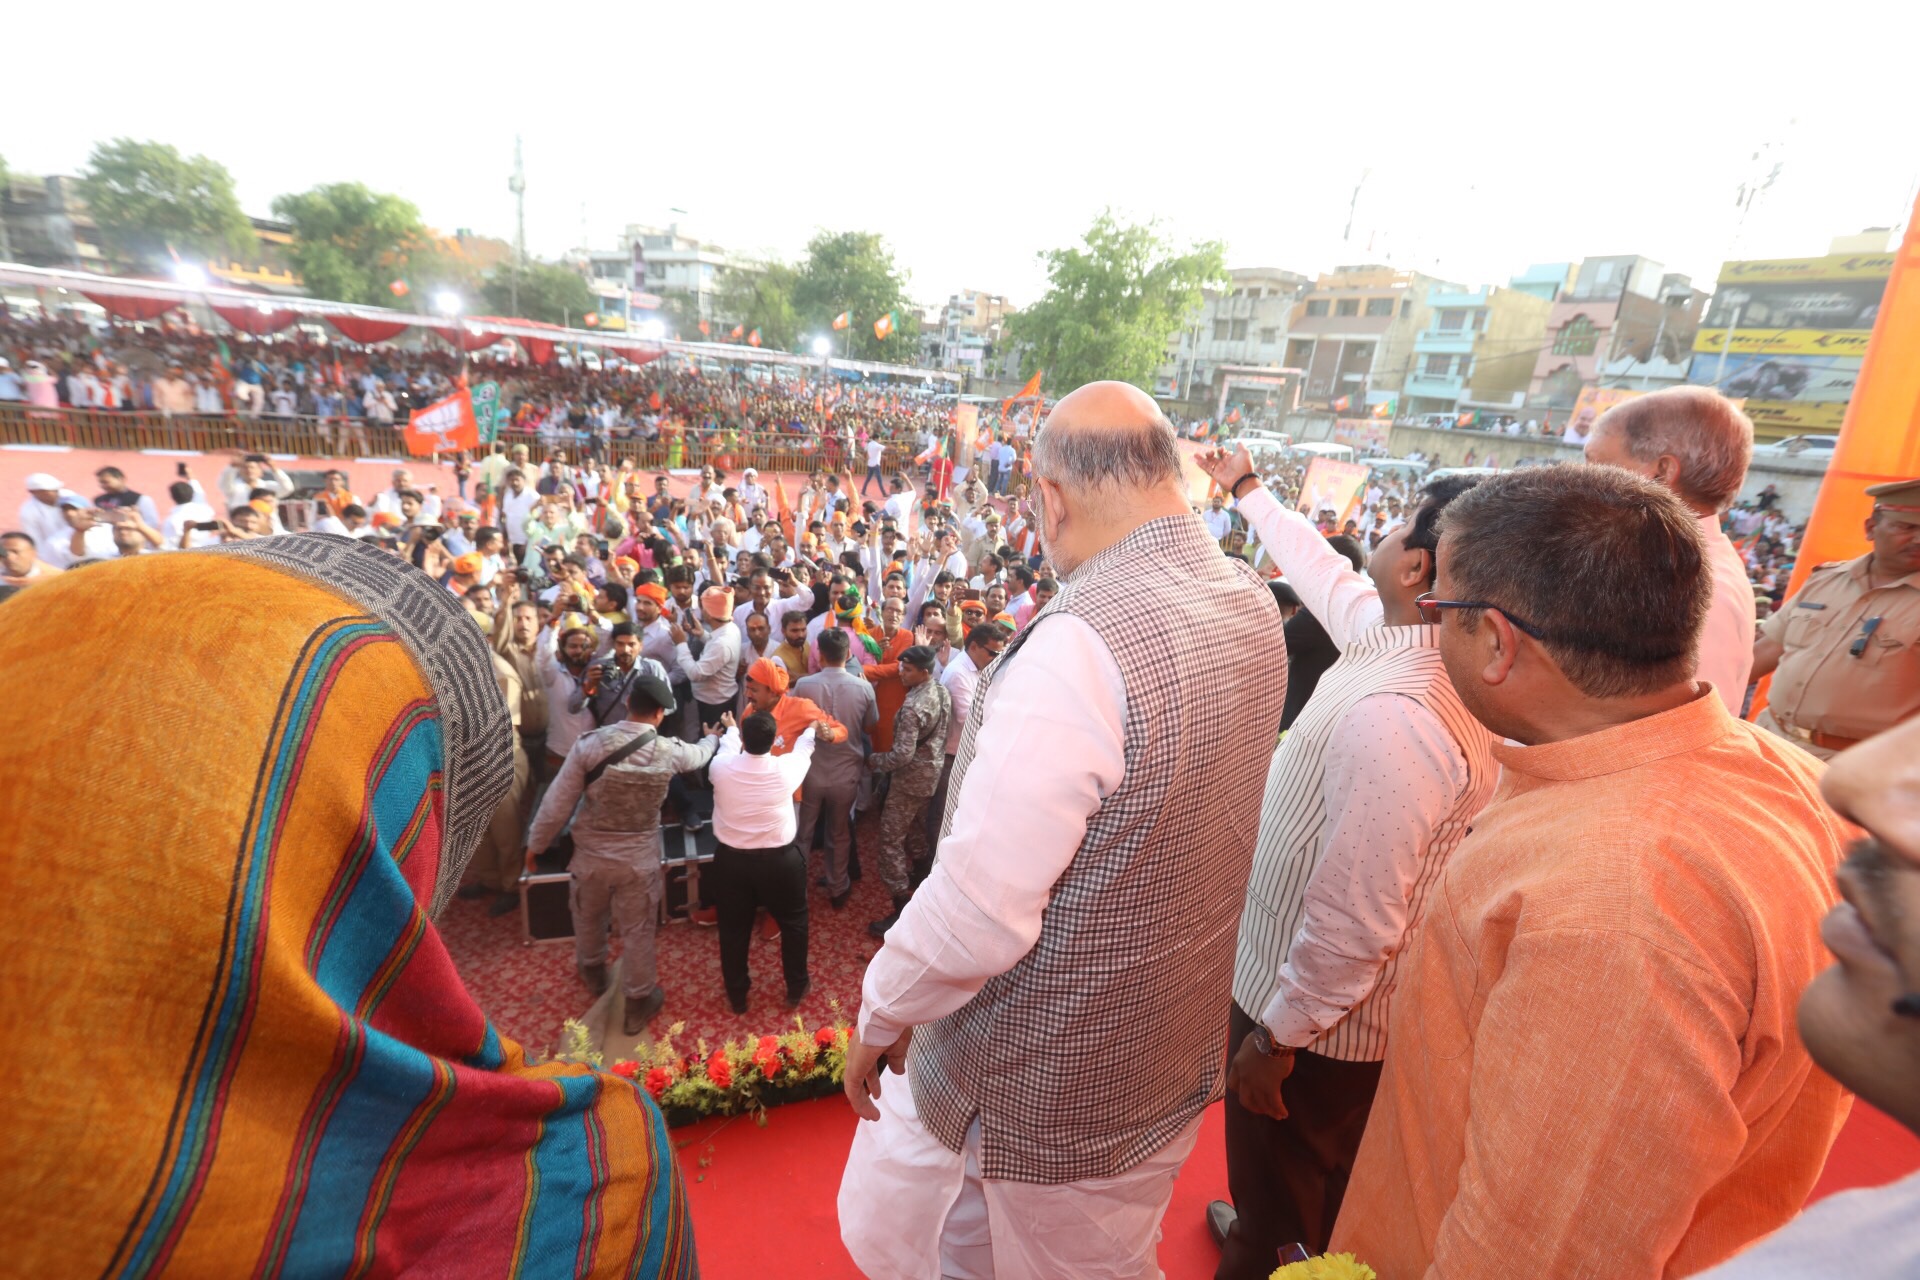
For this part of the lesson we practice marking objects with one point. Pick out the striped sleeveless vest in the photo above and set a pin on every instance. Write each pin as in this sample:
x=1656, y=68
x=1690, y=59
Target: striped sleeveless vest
x=1104, y=1041
x=1293, y=819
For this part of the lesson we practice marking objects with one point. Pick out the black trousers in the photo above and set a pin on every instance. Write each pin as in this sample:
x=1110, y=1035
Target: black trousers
x=744, y=879
x=1287, y=1177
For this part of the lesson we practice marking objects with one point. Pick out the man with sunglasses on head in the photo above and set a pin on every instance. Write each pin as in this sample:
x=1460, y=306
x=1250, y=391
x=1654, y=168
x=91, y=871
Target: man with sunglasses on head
x=1366, y=797
x=1592, y=1067
x=1845, y=650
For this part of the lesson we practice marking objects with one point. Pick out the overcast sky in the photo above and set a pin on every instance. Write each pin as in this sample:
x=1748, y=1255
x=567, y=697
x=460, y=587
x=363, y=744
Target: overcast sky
x=1490, y=136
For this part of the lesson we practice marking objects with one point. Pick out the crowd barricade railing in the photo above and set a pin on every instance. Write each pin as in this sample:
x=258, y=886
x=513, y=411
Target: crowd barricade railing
x=347, y=438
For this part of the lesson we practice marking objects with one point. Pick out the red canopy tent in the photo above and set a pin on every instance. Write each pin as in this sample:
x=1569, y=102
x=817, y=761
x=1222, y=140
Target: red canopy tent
x=367, y=331
x=254, y=320
x=130, y=306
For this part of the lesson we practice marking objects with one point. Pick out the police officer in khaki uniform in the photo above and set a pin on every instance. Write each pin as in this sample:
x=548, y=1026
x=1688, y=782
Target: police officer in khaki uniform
x=1847, y=647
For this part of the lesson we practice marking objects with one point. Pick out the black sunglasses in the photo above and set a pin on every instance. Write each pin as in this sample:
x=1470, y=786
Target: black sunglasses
x=1430, y=612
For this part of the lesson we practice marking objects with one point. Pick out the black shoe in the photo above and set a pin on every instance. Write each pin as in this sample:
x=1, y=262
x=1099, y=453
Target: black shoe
x=504, y=903
x=795, y=997
x=595, y=976
x=737, y=1005
x=839, y=900
x=641, y=1012
x=471, y=891
x=879, y=927
x=822, y=883
x=1220, y=1219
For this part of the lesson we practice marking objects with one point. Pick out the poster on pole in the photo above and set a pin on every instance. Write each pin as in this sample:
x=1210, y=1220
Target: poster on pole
x=445, y=426
x=488, y=412
x=1332, y=486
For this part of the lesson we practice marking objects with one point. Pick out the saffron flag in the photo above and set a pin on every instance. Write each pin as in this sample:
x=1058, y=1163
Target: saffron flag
x=753, y=339
x=1343, y=404
x=737, y=331
x=1235, y=415
x=883, y=327
x=1386, y=408
x=706, y=330
x=1027, y=392
x=842, y=320
x=444, y=426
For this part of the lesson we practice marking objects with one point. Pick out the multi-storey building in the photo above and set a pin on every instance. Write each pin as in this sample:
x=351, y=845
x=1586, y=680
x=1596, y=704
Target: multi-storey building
x=1354, y=334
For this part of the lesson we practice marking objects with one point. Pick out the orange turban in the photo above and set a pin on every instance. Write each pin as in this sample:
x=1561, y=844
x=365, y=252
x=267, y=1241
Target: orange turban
x=469, y=563
x=718, y=601
x=385, y=520
x=973, y=606
x=628, y=562
x=652, y=591
x=769, y=673
x=261, y=505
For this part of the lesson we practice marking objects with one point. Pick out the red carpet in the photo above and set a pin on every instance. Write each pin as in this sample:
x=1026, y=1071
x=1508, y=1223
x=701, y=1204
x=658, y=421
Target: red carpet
x=789, y=1172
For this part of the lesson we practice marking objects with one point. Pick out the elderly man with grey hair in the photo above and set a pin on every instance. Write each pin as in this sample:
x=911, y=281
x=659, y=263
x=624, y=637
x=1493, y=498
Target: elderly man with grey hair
x=1128, y=726
x=1696, y=443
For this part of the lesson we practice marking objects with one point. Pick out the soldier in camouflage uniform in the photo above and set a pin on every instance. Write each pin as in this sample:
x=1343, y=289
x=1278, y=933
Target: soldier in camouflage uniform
x=616, y=840
x=919, y=749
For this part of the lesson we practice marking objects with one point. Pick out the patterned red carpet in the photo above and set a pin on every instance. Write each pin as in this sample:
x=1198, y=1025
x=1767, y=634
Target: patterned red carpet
x=529, y=991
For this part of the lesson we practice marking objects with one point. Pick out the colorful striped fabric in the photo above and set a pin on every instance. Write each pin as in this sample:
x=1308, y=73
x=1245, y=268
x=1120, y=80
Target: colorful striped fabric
x=236, y=1043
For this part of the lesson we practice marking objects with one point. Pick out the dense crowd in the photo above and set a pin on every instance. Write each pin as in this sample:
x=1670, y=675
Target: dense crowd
x=54, y=362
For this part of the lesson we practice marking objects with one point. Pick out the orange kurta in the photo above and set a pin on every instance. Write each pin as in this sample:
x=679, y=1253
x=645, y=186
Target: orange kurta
x=1592, y=1065
x=888, y=692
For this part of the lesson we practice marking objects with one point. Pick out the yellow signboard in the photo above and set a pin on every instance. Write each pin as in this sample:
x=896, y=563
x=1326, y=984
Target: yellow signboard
x=1835, y=266
x=1785, y=342
x=1775, y=418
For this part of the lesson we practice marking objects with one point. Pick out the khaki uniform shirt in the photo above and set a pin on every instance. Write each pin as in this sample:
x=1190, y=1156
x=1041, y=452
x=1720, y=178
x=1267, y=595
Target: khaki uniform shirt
x=919, y=740
x=1820, y=686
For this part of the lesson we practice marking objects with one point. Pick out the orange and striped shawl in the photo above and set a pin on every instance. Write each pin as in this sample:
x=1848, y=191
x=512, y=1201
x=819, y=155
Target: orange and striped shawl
x=236, y=1044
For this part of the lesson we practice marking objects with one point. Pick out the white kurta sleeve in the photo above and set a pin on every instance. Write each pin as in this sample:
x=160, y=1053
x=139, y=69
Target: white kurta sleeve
x=1050, y=748
x=1343, y=601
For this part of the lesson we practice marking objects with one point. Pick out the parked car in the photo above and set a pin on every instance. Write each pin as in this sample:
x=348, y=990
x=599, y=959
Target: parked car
x=1801, y=446
x=1443, y=473
x=1411, y=468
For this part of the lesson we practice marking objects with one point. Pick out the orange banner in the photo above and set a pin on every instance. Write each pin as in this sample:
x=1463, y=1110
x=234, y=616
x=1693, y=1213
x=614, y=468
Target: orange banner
x=445, y=426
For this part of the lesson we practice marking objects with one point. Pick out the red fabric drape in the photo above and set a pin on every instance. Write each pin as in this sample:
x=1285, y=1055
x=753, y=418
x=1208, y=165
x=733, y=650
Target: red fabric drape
x=255, y=321
x=640, y=355
x=364, y=331
x=465, y=338
x=539, y=350
x=132, y=307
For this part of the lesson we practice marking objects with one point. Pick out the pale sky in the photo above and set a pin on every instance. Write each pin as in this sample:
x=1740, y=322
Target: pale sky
x=973, y=135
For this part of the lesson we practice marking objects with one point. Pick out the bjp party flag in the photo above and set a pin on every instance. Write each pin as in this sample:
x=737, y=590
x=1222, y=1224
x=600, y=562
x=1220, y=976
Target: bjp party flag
x=753, y=339
x=883, y=327
x=444, y=426
x=842, y=320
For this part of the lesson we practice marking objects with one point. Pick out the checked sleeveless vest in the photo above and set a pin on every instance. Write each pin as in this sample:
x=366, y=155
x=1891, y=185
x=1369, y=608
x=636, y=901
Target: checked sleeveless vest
x=1109, y=1036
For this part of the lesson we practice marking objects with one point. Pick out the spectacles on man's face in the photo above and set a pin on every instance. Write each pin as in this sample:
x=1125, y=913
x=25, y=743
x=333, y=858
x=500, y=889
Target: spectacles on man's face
x=1431, y=612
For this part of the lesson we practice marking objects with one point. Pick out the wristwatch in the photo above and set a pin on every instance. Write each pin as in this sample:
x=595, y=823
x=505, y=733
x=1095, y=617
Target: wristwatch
x=1263, y=1042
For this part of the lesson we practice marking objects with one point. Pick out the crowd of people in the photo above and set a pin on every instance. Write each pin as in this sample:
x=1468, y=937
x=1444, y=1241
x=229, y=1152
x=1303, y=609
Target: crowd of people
x=355, y=393
x=1508, y=957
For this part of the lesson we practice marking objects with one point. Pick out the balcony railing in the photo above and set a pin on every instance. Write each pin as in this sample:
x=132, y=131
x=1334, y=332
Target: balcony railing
x=351, y=438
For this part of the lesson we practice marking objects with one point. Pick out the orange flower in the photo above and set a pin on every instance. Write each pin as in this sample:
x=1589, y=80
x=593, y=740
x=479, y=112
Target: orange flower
x=657, y=1081
x=769, y=1044
x=769, y=1064
x=719, y=1070
x=626, y=1070
x=825, y=1037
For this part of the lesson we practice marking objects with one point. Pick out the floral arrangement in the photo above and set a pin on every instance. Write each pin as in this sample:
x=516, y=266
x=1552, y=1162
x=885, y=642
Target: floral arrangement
x=1328, y=1266
x=738, y=1078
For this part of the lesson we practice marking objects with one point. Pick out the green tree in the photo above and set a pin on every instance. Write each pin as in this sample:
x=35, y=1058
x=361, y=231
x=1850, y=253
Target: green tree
x=759, y=297
x=1113, y=303
x=548, y=291
x=854, y=272
x=147, y=199
x=349, y=243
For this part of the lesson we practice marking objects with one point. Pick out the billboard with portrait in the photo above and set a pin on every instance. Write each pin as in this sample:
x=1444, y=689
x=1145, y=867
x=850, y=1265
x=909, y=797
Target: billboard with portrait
x=1333, y=486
